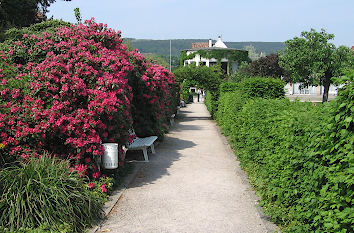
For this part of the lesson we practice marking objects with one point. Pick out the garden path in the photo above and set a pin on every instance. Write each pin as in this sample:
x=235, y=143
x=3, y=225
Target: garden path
x=192, y=184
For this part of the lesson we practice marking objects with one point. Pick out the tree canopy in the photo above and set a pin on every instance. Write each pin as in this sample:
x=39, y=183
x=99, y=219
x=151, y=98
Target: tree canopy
x=312, y=60
x=22, y=13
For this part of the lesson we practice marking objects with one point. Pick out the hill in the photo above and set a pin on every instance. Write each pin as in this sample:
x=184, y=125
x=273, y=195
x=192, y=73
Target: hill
x=162, y=47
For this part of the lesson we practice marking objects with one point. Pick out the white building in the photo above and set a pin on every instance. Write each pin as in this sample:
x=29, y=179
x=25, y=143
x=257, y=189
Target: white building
x=298, y=89
x=198, y=60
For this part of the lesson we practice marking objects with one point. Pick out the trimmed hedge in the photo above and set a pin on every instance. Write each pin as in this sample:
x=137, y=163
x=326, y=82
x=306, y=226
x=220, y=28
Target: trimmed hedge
x=298, y=156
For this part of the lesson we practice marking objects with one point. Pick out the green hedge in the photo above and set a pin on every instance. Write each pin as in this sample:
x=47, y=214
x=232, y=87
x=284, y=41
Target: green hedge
x=298, y=156
x=263, y=87
x=254, y=87
x=230, y=103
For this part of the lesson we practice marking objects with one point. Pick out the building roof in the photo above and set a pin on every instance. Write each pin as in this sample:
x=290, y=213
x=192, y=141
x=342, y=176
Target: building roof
x=219, y=43
x=213, y=48
x=199, y=45
x=353, y=48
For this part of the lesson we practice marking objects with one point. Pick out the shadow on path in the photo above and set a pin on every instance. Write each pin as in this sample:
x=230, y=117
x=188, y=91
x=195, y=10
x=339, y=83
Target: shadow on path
x=166, y=154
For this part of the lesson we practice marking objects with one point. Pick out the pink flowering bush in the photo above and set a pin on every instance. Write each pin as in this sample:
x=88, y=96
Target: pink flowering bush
x=154, y=96
x=74, y=99
x=65, y=91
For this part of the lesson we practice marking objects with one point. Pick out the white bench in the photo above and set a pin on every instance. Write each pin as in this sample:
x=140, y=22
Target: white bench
x=143, y=144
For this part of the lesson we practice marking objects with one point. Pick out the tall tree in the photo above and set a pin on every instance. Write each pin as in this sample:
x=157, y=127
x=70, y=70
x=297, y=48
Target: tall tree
x=20, y=13
x=311, y=59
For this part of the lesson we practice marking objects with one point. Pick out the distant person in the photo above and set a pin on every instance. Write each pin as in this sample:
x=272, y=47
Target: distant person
x=199, y=93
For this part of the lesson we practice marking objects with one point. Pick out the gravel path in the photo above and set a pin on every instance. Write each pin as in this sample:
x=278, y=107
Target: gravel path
x=192, y=184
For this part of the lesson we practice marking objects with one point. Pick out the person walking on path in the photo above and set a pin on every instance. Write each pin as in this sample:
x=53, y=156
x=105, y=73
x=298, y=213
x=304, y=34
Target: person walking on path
x=192, y=184
x=199, y=93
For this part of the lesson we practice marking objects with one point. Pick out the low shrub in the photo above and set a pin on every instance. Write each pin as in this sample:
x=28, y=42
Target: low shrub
x=44, y=191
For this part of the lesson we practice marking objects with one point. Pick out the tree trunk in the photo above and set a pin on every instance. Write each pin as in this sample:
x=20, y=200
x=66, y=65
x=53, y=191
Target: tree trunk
x=326, y=84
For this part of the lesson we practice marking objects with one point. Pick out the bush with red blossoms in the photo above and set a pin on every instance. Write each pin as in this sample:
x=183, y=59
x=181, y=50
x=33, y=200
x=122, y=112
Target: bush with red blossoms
x=68, y=90
x=154, y=96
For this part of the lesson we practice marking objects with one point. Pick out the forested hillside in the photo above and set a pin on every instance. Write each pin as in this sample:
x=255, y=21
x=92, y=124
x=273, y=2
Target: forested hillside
x=162, y=47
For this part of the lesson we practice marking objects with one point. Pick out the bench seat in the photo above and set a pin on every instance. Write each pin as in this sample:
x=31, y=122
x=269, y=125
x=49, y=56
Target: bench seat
x=143, y=144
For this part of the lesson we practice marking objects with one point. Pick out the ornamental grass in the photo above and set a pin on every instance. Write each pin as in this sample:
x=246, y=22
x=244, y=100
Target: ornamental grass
x=42, y=191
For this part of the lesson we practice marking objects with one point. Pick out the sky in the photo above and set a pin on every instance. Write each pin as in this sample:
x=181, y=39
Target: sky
x=234, y=20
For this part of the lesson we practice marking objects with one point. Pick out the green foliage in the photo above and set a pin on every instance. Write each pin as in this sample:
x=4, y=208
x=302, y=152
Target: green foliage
x=242, y=73
x=231, y=101
x=266, y=67
x=184, y=57
x=186, y=84
x=78, y=15
x=229, y=87
x=22, y=13
x=21, y=55
x=298, y=156
x=263, y=87
x=45, y=228
x=43, y=191
x=312, y=60
x=208, y=101
x=232, y=55
x=208, y=78
x=157, y=60
x=335, y=148
x=252, y=54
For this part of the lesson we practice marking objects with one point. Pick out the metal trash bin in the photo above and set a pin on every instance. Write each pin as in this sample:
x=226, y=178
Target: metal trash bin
x=110, y=156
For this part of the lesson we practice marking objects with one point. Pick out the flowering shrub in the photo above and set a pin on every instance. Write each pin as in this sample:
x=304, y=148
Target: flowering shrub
x=154, y=96
x=65, y=91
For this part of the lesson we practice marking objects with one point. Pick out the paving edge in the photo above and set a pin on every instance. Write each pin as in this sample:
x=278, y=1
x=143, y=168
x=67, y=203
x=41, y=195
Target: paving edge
x=270, y=226
x=116, y=195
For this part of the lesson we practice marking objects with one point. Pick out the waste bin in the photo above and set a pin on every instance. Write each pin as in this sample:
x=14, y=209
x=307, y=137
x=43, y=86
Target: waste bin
x=110, y=156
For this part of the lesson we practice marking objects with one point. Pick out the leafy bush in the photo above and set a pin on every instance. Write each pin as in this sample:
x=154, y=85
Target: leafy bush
x=44, y=191
x=335, y=148
x=67, y=89
x=298, y=156
x=230, y=103
x=229, y=87
x=208, y=78
x=154, y=96
x=45, y=228
x=266, y=67
x=76, y=95
x=263, y=87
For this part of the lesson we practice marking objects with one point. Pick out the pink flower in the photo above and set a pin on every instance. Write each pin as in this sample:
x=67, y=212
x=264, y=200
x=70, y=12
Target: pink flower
x=87, y=160
x=103, y=188
x=91, y=185
x=96, y=175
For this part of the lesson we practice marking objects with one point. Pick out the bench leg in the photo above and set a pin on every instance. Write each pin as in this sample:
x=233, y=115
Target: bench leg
x=152, y=148
x=145, y=155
